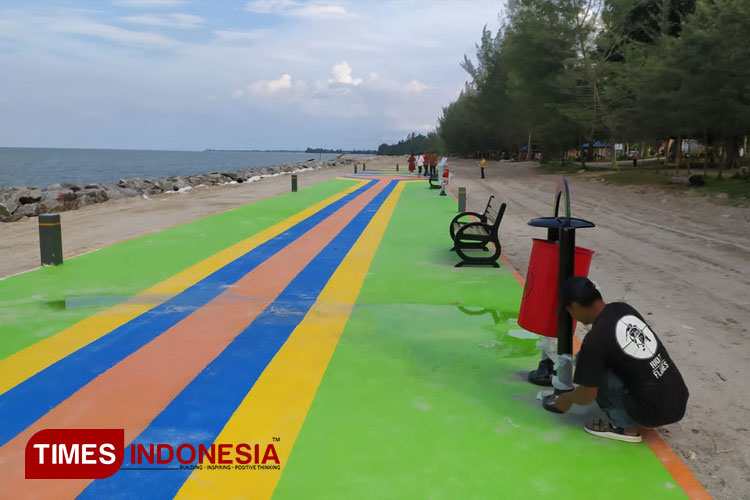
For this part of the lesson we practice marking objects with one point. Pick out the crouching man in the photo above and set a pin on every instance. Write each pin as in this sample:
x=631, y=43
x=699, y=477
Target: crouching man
x=622, y=366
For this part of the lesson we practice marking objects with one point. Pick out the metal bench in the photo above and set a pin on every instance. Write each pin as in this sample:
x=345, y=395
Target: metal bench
x=434, y=182
x=477, y=235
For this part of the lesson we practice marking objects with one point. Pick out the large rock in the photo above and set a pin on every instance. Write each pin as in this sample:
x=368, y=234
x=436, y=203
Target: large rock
x=156, y=186
x=179, y=183
x=8, y=201
x=12, y=218
x=4, y=212
x=28, y=196
x=53, y=200
x=92, y=196
x=197, y=180
x=234, y=176
x=65, y=185
x=131, y=183
x=28, y=210
x=216, y=178
x=116, y=192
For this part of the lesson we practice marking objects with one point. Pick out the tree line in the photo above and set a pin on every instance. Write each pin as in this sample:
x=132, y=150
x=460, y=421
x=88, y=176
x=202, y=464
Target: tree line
x=562, y=73
x=414, y=143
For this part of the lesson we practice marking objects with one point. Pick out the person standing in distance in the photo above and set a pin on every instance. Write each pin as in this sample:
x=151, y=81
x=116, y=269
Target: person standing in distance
x=622, y=365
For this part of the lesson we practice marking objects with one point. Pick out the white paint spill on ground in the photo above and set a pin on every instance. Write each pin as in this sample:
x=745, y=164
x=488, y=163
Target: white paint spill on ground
x=544, y=393
x=421, y=405
x=523, y=334
x=512, y=424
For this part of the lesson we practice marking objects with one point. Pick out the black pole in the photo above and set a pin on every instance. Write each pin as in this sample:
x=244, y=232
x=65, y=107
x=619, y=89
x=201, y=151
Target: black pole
x=50, y=239
x=566, y=270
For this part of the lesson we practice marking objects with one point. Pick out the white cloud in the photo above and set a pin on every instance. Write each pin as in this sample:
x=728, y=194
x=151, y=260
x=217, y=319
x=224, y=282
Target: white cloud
x=113, y=33
x=114, y=68
x=415, y=86
x=235, y=36
x=149, y=3
x=342, y=73
x=179, y=21
x=296, y=9
x=265, y=87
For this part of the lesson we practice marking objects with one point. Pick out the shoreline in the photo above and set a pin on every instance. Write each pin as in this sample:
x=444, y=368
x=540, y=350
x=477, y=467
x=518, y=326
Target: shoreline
x=19, y=202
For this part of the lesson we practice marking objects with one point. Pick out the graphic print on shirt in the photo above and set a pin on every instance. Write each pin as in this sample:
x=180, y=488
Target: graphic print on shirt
x=635, y=338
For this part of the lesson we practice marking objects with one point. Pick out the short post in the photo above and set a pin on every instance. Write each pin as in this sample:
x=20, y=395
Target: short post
x=396, y=167
x=462, y=199
x=294, y=183
x=50, y=239
x=364, y=166
x=355, y=167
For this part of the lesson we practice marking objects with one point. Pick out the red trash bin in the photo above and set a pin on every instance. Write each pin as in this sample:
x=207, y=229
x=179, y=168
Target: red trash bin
x=538, y=312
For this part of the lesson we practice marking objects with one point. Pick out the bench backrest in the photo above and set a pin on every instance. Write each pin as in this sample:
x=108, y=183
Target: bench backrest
x=494, y=211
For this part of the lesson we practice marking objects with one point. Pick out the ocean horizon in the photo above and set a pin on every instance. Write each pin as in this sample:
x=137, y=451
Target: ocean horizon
x=42, y=167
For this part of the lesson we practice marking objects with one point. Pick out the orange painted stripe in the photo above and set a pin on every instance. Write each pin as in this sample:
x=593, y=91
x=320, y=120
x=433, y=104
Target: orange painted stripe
x=133, y=392
x=692, y=488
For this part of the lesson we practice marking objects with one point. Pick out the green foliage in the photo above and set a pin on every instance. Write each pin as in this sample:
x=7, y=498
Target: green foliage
x=431, y=143
x=567, y=72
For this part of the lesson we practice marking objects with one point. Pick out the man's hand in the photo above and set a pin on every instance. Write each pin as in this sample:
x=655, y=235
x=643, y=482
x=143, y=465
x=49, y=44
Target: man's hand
x=582, y=395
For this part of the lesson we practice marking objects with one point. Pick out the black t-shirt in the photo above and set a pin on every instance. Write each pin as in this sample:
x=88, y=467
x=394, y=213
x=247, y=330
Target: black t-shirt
x=621, y=341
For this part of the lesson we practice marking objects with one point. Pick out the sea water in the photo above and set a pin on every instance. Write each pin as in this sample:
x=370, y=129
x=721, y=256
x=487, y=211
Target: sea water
x=42, y=167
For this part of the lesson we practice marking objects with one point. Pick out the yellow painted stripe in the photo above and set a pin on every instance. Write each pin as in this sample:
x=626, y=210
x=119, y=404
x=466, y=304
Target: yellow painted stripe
x=277, y=405
x=21, y=365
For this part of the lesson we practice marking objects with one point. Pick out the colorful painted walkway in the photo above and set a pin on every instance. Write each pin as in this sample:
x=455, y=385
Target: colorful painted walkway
x=329, y=322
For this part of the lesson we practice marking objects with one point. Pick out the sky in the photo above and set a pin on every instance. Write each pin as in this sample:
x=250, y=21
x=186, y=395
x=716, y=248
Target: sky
x=231, y=74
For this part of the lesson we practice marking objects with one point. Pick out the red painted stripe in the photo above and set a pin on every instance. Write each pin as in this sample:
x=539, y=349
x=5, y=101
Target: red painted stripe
x=130, y=394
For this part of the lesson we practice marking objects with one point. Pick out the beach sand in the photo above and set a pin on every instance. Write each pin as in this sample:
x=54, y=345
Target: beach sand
x=103, y=224
x=679, y=258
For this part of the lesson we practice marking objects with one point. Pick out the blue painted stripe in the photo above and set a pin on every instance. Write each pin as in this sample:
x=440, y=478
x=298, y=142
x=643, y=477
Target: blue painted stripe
x=199, y=413
x=28, y=401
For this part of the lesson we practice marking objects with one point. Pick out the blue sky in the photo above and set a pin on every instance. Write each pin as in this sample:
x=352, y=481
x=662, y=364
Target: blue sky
x=189, y=74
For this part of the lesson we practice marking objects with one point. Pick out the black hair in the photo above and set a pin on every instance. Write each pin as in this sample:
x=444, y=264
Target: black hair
x=578, y=289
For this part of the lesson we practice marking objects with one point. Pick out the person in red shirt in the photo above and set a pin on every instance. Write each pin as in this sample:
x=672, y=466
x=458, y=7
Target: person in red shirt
x=433, y=164
x=412, y=162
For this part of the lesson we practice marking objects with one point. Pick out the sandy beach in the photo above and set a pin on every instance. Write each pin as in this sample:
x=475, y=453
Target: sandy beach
x=679, y=259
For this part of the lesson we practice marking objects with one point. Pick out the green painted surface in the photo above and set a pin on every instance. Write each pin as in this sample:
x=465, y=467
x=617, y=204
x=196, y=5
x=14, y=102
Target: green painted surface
x=422, y=400
x=42, y=302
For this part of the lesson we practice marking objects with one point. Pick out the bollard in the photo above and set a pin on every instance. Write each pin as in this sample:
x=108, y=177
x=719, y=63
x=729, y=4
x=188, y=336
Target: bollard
x=364, y=166
x=396, y=167
x=50, y=239
x=355, y=168
x=462, y=199
x=294, y=183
